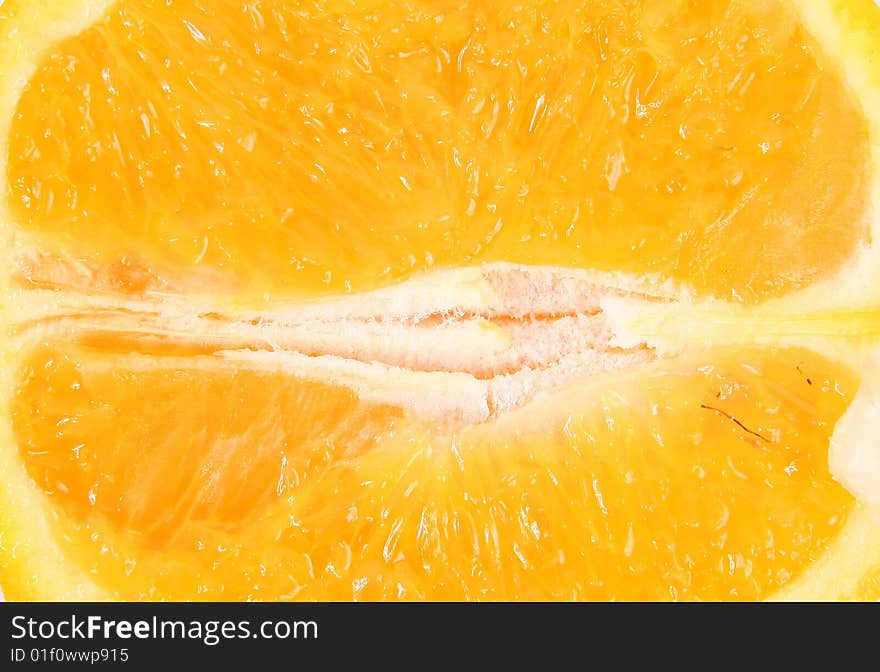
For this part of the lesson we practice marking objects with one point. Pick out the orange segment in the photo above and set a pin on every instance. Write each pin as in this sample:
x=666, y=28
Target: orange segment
x=308, y=148
x=702, y=479
x=212, y=446
x=624, y=497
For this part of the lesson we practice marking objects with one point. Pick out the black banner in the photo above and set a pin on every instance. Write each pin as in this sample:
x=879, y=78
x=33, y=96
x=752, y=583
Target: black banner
x=417, y=635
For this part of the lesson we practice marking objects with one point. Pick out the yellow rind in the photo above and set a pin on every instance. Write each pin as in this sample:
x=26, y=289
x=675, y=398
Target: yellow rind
x=839, y=574
x=32, y=565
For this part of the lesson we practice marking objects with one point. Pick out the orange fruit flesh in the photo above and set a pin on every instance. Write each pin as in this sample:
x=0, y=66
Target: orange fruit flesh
x=261, y=153
x=700, y=478
x=286, y=149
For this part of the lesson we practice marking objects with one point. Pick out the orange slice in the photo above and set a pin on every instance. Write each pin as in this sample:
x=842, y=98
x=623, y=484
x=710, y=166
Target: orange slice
x=427, y=300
